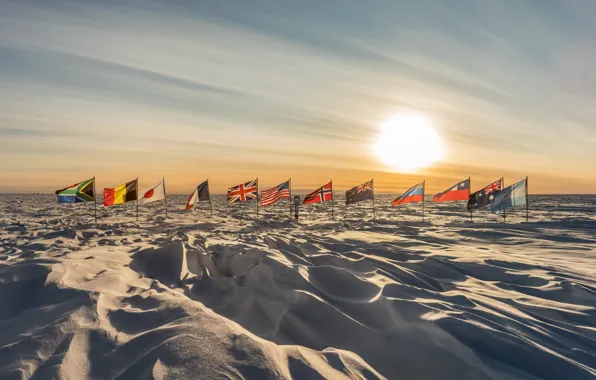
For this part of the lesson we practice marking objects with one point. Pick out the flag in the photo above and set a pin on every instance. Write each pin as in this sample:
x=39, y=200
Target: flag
x=120, y=194
x=270, y=196
x=153, y=193
x=458, y=192
x=243, y=192
x=360, y=193
x=79, y=192
x=200, y=194
x=514, y=195
x=322, y=194
x=484, y=197
x=414, y=194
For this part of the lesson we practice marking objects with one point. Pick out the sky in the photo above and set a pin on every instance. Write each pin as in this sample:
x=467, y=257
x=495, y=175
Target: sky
x=232, y=90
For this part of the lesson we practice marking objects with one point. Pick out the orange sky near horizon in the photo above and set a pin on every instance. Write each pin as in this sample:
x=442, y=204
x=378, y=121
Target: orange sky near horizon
x=202, y=90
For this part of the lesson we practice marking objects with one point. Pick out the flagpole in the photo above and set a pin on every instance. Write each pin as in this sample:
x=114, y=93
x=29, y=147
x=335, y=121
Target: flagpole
x=290, y=200
x=95, y=199
x=503, y=187
x=470, y=193
x=137, y=199
x=423, y=191
x=373, y=189
x=257, y=197
x=332, y=201
x=165, y=196
x=210, y=204
x=527, y=188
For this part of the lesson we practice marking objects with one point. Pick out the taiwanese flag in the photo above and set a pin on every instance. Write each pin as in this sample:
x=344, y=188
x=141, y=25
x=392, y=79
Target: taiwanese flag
x=414, y=194
x=458, y=192
x=322, y=194
x=124, y=193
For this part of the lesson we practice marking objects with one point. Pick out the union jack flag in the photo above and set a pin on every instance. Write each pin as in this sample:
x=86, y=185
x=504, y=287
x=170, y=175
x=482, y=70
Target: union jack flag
x=270, y=196
x=322, y=194
x=243, y=192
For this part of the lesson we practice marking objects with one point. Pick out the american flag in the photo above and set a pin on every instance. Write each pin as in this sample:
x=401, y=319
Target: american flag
x=243, y=192
x=270, y=196
x=322, y=194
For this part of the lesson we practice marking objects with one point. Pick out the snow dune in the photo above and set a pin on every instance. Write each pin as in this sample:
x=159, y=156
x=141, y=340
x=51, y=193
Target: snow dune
x=235, y=297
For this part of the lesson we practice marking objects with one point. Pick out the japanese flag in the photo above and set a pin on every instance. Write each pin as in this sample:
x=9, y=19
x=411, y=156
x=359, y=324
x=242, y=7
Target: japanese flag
x=153, y=193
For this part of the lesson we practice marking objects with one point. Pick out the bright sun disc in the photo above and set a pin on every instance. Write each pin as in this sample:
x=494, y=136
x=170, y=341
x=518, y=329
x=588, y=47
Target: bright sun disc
x=408, y=142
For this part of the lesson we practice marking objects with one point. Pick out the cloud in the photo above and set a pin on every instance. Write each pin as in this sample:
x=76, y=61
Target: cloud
x=282, y=86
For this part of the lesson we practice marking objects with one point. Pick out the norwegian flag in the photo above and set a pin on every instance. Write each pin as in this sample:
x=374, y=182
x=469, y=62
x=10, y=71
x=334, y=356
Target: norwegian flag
x=270, y=196
x=243, y=192
x=322, y=194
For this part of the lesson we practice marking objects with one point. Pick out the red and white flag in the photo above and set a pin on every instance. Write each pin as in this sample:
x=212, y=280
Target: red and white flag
x=322, y=194
x=153, y=193
x=243, y=192
x=270, y=196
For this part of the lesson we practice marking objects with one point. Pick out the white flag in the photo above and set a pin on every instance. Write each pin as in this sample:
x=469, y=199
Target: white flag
x=152, y=193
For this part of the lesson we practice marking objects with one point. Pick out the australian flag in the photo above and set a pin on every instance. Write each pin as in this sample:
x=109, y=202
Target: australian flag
x=483, y=198
x=360, y=193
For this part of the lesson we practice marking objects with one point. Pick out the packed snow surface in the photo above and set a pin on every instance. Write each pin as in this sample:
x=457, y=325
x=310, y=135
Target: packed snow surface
x=233, y=296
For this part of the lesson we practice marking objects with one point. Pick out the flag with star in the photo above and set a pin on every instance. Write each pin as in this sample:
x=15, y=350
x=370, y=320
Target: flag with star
x=484, y=197
x=360, y=193
x=514, y=195
x=457, y=192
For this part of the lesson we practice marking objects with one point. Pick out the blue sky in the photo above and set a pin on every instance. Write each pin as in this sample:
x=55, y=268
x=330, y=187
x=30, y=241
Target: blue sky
x=230, y=90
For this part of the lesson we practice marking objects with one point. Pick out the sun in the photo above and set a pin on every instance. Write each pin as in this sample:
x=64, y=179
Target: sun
x=408, y=142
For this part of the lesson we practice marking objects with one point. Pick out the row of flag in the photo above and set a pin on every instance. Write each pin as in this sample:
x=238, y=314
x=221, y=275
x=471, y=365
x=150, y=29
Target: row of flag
x=492, y=196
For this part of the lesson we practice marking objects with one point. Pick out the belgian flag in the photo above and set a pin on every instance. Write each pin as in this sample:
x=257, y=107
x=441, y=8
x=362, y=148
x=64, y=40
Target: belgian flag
x=120, y=194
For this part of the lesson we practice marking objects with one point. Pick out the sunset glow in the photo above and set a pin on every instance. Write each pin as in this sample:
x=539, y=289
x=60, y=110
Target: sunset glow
x=408, y=142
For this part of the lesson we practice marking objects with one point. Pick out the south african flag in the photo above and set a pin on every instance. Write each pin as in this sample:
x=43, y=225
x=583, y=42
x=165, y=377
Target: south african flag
x=79, y=192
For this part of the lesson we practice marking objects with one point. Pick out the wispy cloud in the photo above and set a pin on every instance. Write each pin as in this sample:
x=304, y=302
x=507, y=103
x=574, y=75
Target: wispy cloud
x=153, y=88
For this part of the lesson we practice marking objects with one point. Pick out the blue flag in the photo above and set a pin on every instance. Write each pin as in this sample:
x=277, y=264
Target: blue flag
x=514, y=195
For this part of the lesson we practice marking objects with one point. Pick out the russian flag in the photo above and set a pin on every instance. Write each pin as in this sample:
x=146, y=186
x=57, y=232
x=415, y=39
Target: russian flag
x=414, y=194
x=457, y=192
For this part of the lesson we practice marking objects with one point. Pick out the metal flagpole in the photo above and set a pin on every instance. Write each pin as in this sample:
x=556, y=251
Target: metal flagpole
x=290, y=200
x=257, y=197
x=423, y=191
x=372, y=181
x=502, y=188
x=527, y=217
x=165, y=196
x=137, y=199
x=470, y=193
x=95, y=199
x=332, y=201
x=210, y=204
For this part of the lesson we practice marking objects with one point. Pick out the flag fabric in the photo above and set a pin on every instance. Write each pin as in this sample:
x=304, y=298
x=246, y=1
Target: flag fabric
x=484, y=197
x=360, y=193
x=79, y=192
x=514, y=195
x=270, y=196
x=458, y=192
x=201, y=194
x=322, y=194
x=120, y=194
x=243, y=192
x=153, y=193
x=414, y=194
